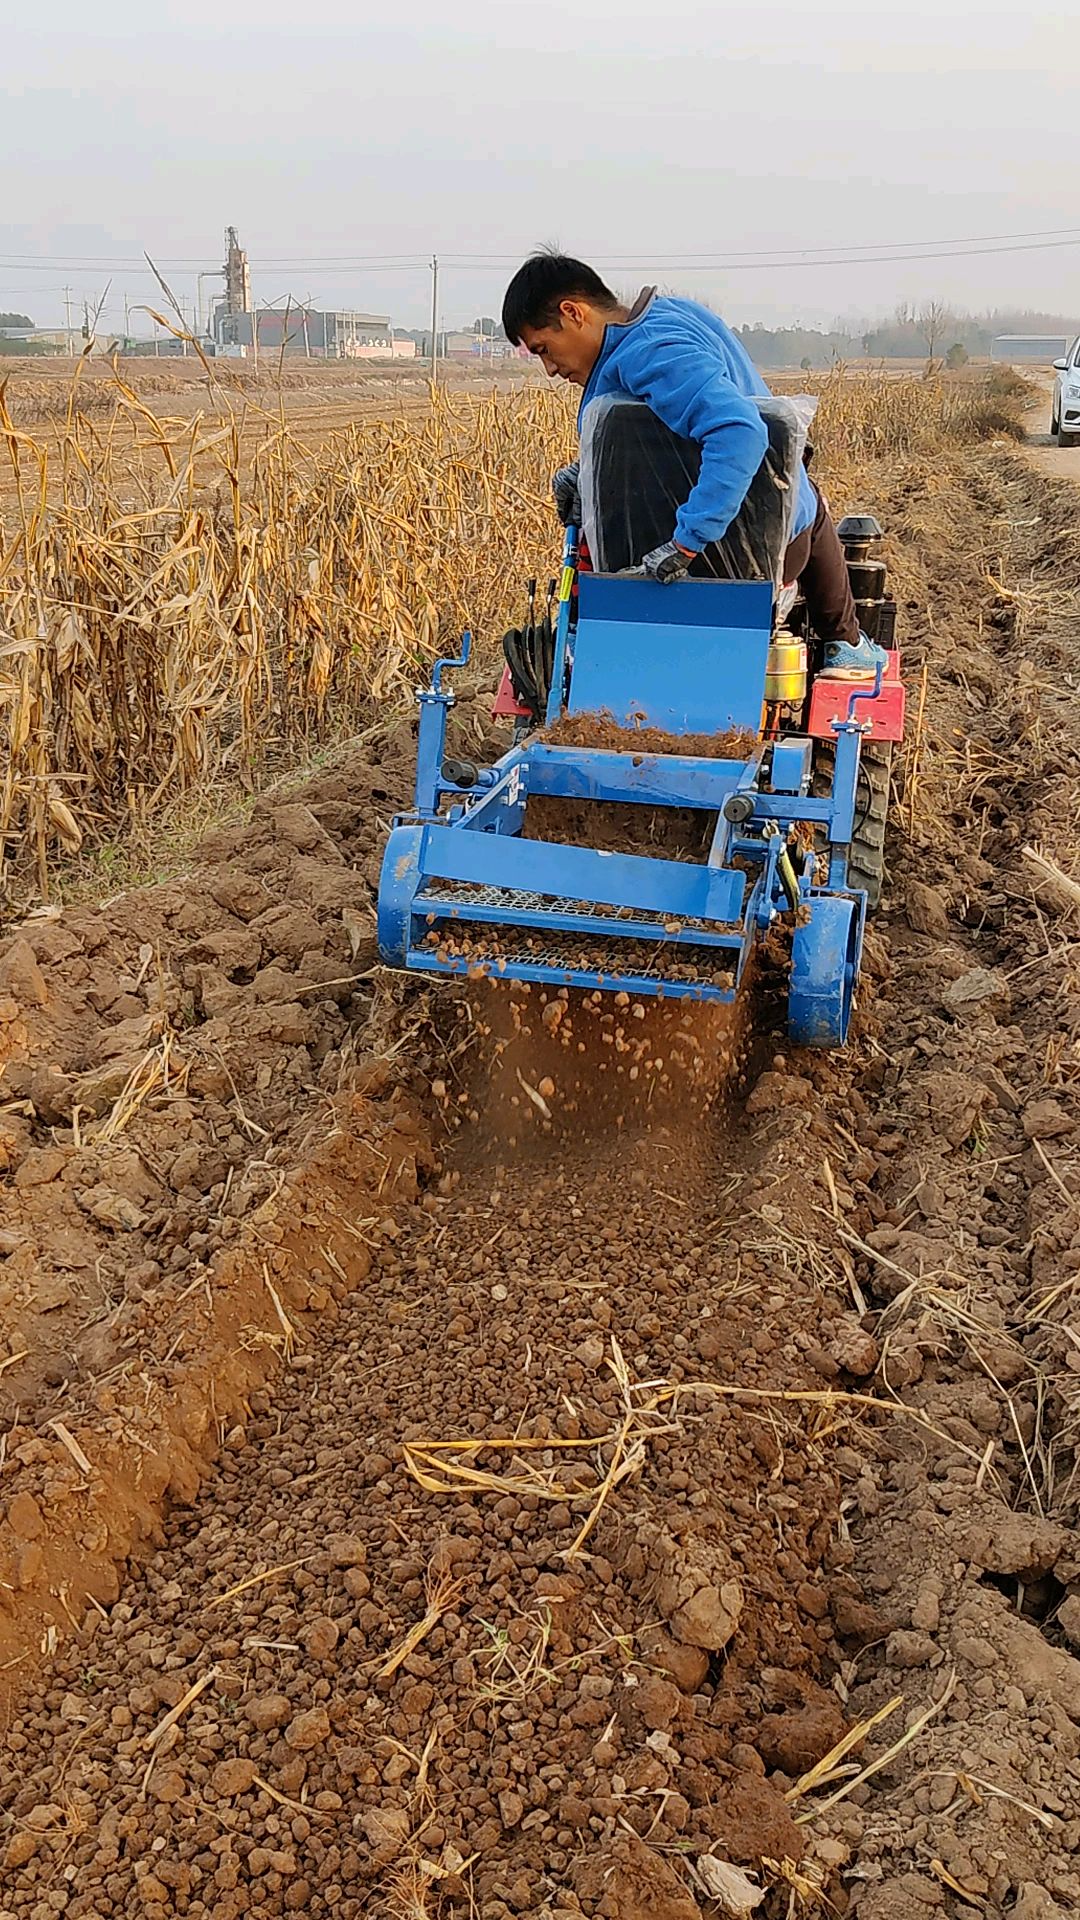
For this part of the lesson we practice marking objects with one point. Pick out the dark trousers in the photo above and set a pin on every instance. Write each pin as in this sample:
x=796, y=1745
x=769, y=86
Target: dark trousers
x=816, y=560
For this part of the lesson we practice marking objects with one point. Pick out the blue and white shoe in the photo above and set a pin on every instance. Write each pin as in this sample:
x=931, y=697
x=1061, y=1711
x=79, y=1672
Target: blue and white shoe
x=843, y=662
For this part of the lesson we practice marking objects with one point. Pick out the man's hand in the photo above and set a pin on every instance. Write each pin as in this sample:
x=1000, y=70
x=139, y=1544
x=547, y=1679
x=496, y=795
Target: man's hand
x=564, y=485
x=667, y=563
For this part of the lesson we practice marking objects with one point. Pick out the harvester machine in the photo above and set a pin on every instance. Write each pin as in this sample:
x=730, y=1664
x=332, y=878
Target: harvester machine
x=696, y=701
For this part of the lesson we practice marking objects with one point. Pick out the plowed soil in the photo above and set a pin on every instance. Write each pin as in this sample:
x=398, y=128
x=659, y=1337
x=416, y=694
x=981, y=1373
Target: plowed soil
x=481, y=1455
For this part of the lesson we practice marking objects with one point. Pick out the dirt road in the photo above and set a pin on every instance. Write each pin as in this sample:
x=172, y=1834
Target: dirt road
x=412, y=1511
x=1043, y=453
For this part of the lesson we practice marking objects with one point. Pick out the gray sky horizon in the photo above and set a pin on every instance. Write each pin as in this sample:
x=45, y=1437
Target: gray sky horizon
x=644, y=139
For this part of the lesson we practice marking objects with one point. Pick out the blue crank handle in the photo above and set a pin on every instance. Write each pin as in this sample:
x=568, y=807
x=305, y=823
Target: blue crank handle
x=450, y=661
x=866, y=693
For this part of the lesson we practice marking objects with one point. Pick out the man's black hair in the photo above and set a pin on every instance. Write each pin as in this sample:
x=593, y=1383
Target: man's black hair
x=533, y=296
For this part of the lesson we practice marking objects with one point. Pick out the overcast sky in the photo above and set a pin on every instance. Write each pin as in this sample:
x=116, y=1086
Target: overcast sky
x=645, y=133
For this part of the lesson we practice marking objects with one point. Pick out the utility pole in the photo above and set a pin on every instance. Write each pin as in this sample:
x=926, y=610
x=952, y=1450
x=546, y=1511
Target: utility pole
x=67, y=319
x=434, y=318
x=127, y=320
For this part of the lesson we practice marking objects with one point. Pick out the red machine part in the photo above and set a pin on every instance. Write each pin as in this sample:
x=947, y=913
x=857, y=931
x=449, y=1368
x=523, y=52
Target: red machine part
x=506, y=705
x=884, y=717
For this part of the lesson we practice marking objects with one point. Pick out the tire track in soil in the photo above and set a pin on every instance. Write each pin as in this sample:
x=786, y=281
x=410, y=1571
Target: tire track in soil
x=672, y=1679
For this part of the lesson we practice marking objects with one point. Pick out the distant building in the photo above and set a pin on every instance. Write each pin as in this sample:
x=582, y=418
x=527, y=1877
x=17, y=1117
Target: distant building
x=471, y=345
x=164, y=347
x=394, y=349
x=54, y=339
x=1042, y=348
x=310, y=332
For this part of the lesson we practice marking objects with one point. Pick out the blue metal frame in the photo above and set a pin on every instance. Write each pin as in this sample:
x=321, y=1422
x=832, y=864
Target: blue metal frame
x=676, y=889
x=464, y=891
x=688, y=657
x=435, y=705
x=563, y=660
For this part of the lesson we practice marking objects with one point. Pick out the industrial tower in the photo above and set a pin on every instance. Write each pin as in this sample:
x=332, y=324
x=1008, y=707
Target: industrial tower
x=237, y=276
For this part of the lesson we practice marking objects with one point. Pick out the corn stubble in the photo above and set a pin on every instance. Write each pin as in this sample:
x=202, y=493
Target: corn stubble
x=162, y=636
x=159, y=637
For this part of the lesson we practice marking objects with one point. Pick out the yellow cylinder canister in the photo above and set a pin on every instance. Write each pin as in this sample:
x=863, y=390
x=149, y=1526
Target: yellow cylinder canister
x=785, y=671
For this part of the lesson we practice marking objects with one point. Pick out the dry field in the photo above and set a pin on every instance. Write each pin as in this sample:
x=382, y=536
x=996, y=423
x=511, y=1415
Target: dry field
x=182, y=617
x=411, y=1506
x=312, y=400
x=192, y=603
x=39, y=390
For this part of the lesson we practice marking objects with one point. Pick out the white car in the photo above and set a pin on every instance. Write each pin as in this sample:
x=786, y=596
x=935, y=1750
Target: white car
x=1065, y=406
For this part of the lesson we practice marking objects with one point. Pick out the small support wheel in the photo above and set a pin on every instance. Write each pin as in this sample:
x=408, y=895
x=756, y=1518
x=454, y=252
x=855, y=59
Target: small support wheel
x=866, y=865
x=824, y=968
x=398, y=881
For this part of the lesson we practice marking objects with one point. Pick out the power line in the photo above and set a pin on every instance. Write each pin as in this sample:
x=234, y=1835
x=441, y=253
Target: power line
x=729, y=264
x=839, y=252
x=798, y=253
x=725, y=264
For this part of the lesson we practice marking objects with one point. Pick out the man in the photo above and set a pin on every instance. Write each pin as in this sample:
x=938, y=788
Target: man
x=696, y=376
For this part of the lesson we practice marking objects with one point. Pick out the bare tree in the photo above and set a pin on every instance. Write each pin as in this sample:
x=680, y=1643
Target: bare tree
x=932, y=317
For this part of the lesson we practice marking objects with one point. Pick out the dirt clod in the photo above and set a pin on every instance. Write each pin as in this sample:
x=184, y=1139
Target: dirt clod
x=308, y=1730
x=710, y=1616
x=268, y=1710
x=632, y=1883
x=21, y=976
x=231, y=1778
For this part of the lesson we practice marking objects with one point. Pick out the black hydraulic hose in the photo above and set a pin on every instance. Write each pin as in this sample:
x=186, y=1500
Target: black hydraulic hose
x=530, y=655
x=519, y=660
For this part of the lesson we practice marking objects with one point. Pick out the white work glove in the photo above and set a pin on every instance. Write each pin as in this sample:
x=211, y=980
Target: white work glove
x=667, y=563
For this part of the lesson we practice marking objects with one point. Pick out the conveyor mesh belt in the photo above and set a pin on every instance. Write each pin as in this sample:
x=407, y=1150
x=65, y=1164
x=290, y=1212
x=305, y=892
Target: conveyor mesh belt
x=499, y=948
x=472, y=893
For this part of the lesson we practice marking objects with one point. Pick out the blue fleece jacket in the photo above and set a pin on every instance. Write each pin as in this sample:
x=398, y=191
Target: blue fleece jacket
x=699, y=379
